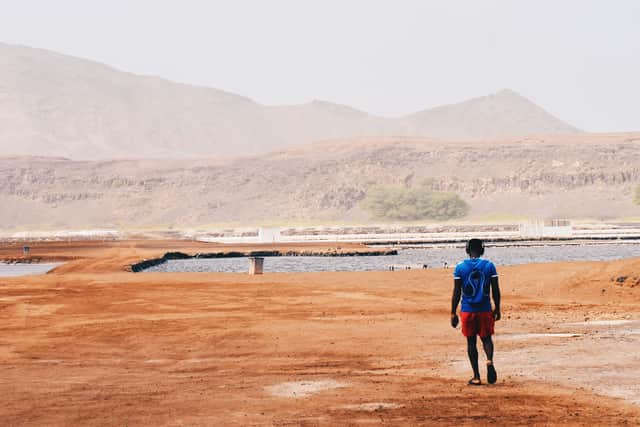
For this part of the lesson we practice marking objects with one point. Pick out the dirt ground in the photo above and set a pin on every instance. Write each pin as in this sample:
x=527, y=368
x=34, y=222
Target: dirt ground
x=92, y=344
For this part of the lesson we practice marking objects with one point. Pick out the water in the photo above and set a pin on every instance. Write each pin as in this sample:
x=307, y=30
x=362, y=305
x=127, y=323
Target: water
x=434, y=257
x=15, y=270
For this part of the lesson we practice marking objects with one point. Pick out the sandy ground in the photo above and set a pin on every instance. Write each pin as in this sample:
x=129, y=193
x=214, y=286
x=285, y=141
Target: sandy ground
x=92, y=344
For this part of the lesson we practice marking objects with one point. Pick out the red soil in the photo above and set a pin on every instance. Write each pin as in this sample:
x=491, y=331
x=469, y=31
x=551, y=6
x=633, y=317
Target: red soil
x=92, y=344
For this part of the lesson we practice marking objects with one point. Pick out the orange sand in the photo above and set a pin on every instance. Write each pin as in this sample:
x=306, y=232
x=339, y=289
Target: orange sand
x=92, y=344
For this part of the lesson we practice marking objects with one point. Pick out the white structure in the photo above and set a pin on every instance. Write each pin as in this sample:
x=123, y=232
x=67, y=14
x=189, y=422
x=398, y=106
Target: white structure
x=547, y=228
x=269, y=235
x=256, y=265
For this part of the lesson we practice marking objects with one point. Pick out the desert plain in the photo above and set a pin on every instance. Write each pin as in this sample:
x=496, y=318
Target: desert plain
x=91, y=343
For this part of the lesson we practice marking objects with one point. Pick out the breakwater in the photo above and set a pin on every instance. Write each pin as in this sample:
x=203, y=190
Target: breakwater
x=145, y=264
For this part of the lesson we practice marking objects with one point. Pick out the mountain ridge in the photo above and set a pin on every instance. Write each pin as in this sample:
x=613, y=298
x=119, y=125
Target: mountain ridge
x=53, y=104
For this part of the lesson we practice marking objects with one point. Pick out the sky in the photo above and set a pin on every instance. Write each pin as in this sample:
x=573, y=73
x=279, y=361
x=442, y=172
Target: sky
x=578, y=59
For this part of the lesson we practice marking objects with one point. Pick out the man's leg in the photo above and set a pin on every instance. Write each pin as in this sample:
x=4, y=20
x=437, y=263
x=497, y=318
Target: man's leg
x=487, y=343
x=472, y=351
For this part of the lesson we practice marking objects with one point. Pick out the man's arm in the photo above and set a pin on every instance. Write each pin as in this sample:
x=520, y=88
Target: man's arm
x=457, y=294
x=455, y=300
x=495, y=291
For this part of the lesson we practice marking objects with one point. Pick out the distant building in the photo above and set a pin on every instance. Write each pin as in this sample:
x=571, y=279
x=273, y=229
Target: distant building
x=547, y=228
x=269, y=235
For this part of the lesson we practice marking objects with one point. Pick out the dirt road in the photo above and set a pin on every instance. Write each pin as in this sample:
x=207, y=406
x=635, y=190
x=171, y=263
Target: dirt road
x=92, y=344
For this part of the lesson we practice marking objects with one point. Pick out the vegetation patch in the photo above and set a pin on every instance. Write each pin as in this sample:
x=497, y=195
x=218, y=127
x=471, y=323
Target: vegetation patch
x=408, y=204
x=636, y=195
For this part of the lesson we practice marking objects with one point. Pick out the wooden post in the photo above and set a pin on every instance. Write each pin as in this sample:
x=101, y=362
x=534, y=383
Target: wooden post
x=255, y=265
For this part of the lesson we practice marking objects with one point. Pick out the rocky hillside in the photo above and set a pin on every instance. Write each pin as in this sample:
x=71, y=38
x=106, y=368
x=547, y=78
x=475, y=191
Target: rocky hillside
x=584, y=176
x=57, y=105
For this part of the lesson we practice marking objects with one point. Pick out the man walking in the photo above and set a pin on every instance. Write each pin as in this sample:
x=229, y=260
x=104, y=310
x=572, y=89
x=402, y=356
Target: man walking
x=475, y=281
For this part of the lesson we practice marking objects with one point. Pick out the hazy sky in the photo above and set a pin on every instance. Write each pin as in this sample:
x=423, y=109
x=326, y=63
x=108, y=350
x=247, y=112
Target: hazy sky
x=578, y=59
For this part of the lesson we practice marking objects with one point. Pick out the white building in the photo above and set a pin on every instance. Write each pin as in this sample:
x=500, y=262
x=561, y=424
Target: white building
x=269, y=235
x=547, y=228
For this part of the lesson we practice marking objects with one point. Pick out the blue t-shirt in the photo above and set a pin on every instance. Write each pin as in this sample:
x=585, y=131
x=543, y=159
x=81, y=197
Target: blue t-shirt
x=475, y=274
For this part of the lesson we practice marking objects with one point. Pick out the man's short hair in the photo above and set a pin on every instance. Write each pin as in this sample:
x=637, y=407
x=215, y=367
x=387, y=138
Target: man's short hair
x=476, y=246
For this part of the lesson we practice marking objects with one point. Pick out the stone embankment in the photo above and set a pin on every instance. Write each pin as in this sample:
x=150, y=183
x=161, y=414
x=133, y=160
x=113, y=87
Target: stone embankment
x=33, y=259
x=143, y=265
x=21, y=260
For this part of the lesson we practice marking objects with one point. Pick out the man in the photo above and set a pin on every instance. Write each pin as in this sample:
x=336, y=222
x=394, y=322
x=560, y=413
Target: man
x=473, y=280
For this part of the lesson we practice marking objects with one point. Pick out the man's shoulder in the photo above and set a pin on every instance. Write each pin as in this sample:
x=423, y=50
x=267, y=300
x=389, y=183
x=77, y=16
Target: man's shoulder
x=461, y=265
x=490, y=267
x=459, y=269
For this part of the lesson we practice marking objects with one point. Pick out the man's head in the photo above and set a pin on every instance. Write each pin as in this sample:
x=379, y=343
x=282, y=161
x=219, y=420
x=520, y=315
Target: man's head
x=475, y=248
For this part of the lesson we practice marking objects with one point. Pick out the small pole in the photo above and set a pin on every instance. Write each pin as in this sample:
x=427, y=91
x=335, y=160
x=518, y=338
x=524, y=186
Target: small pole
x=256, y=265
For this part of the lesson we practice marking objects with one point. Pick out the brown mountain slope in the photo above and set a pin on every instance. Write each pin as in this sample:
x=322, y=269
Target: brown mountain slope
x=57, y=105
x=503, y=114
x=584, y=176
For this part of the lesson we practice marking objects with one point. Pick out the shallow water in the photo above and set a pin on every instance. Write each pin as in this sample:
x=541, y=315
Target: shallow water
x=433, y=257
x=15, y=270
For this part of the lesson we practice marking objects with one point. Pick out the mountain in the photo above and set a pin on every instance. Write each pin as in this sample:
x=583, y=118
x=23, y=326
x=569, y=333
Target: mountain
x=578, y=176
x=57, y=105
x=500, y=115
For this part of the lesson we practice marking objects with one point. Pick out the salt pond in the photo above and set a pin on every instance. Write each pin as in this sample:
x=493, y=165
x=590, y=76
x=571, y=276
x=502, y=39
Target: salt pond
x=433, y=257
x=15, y=270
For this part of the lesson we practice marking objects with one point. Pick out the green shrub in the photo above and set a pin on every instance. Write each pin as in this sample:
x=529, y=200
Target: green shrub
x=391, y=203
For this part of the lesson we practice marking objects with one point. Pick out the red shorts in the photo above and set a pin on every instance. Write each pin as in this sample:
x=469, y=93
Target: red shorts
x=477, y=324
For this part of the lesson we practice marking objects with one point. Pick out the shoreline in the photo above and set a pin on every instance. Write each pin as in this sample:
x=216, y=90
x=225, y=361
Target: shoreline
x=507, y=242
